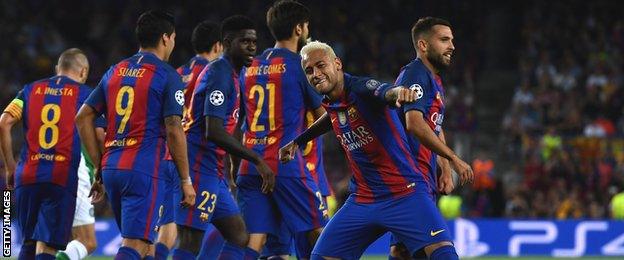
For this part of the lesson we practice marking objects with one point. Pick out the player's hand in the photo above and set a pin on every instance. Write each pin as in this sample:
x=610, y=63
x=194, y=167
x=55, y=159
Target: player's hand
x=268, y=177
x=10, y=179
x=404, y=95
x=287, y=152
x=189, y=195
x=463, y=169
x=97, y=190
x=446, y=184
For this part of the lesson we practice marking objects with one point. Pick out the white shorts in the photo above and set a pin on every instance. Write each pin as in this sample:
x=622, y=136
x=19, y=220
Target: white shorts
x=84, y=214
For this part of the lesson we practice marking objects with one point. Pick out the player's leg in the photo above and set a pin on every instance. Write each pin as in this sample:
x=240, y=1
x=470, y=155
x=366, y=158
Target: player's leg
x=430, y=232
x=278, y=245
x=398, y=251
x=349, y=232
x=257, y=209
x=54, y=219
x=228, y=221
x=27, y=203
x=192, y=222
x=141, y=197
x=167, y=229
x=300, y=201
x=83, y=230
x=212, y=244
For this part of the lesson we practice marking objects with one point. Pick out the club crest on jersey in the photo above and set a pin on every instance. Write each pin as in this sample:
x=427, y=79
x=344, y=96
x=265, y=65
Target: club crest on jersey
x=217, y=98
x=419, y=90
x=179, y=96
x=372, y=84
x=353, y=114
x=342, y=118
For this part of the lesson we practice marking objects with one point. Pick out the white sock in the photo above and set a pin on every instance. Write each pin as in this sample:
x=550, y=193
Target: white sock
x=76, y=250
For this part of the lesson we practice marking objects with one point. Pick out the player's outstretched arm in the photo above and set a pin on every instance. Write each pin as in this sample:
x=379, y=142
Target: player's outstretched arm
x=86, y=130
x=399, y=95
x=176, y=140
x=318, y=128
x=217, y=134
x=6, y=145
x=416, y=125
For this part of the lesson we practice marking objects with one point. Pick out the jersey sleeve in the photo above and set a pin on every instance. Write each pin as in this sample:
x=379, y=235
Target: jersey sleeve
x=16, y=107
x=218, y=86
x=174, y=95
x=371, y=88
x=97, y=99
x=100, y=122
x=418, y=82
x=312, y=99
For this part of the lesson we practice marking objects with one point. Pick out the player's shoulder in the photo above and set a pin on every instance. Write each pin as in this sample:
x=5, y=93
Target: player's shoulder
x=414, y=73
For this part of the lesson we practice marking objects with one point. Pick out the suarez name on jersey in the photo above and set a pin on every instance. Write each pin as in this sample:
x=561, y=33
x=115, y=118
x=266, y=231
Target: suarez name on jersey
x=136, y=95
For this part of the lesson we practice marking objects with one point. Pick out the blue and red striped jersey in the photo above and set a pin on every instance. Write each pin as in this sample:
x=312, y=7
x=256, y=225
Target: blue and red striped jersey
x=370, y=132
x=52, y=147
x=276, y=96
x=430, y=101
x=217, y=94
x=190, y=73
x=313, y=156
x=135, y=95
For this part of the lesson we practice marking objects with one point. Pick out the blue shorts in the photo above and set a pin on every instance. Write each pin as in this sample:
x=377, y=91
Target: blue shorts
x=214, y=201
x=413, y=219
x=45, y=212
x=172, y=186
x=135, y=198
x=298, y=199
x=393, y=240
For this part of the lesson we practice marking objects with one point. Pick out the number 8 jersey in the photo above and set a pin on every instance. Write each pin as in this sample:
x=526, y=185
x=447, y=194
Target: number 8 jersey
x=135, y=96
x=52, y=148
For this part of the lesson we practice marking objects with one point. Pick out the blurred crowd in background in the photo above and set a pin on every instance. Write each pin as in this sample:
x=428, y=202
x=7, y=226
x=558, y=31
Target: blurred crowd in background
x=561, y=156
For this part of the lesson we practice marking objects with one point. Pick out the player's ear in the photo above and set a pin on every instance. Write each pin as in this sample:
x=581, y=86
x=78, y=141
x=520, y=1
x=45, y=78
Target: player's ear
x=298, y=30
x=338, y=63
x=217, y=47
x=422, y=45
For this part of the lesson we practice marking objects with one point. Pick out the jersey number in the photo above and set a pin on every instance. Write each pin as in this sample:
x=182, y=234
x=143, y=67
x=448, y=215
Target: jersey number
x=255, y=127
x=49, y=124
x=122, y=111
x=207, y=196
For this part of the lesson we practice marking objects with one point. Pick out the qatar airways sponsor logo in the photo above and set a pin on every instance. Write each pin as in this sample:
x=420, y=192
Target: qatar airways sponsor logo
x=356, y=138
x=437, y=119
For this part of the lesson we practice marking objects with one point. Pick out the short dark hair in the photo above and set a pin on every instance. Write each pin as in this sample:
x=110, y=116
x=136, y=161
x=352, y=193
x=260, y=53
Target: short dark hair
x=151, y=25
x=284, y=16
x=205, y=35
x=424, y=25
x=236, y=23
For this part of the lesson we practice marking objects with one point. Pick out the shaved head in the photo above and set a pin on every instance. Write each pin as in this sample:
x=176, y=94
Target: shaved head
x=74, y=64
x=72, y=59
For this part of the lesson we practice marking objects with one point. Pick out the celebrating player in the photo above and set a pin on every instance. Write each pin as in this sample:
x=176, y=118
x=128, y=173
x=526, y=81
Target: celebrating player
x=214, y=114
x=386, y=185
x=206, y=41
x=142, y=98
x=433, y=41
x=277, y=96
x=46, y=178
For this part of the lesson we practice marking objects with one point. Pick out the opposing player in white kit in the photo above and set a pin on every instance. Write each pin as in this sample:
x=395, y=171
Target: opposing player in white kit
x=83, y=228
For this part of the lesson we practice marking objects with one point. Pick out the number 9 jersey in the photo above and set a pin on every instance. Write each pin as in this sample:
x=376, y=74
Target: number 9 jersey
x=52, y=148
x=135, y=96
